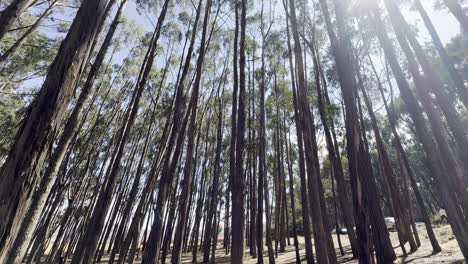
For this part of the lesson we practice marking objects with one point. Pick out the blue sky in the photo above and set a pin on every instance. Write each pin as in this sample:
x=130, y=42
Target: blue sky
x=444, y=22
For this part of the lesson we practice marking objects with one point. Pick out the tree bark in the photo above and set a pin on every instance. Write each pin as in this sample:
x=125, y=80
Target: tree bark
x=167, y=174
x=422, y=132
x=238, y=180
x=187, y=180
x=397, y=141
x=19, y=173
x=297, y=119
x=11, y=13
x=10, y=51
x=360, y=173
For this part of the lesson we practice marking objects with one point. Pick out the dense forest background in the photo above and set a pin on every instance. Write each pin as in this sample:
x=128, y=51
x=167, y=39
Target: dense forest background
x=182, y=130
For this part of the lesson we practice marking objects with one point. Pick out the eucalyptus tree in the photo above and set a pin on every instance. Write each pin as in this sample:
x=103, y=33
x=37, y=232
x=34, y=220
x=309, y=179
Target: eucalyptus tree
x=318, y=220
x=333, y=152
x=19, y=172
x=448, y=63
x=39, y=198
x=17, y=44
x=297, y=116
x=360, y=173
x=392, y=118
x=433, y=153
x=238, y=179
x=176, y=140
x=215, y=188
x=187, y=180
x=87, y=245
x=11, y=14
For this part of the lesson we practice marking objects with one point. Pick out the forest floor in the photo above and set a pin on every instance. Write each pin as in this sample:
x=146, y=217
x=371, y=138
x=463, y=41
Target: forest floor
x=450, y=251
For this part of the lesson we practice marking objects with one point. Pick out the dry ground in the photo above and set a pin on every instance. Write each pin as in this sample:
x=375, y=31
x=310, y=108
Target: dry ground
x=450, y=251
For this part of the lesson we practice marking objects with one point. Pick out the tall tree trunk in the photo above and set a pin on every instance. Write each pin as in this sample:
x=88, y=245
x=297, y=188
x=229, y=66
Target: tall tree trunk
x=430, y=82
x=10, y=51
x=318, y=221
x=198, y=210
x=187, y=180
x=292, y=198
x=252, y=163
x=360, y=173
x=171, y=217
x=19, y=173
x=136, y=181
x=335, y=211
x=397, y=141
x=237, y=190
x=167, y=174
x=332, y=151
x=11, y=13
x=456, y=78
x=401, y=215
x=87, y=245
x=233, y=138
x=133, y=232
x=297, y=119
x=38, y=200
x=422, y=132
x=213, y=204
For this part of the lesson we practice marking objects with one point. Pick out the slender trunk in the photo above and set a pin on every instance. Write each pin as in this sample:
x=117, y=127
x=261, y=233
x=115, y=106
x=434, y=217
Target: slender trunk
x=422, y=132
x=323, y=245
x=297, y=119
x=198, y=210
x=216, y=175
x=361, y=174
x=335, y=210
x=437, y=87
x=237, y=190
x=403, y=225
x=233, y=138
x=38, y=200
x=402, y=154
x=11, y=14
x=187, y=180
x=291, y=193
x=42, y=119
x=10, y=51
x=167, y=174
x=333, y=152
x=87, y=245
x=171, y=217
x=133, y=190
x=456, y=78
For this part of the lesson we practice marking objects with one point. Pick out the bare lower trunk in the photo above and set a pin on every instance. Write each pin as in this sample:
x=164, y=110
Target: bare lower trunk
x=297, y=119
x=237, y=190
x=422, y=132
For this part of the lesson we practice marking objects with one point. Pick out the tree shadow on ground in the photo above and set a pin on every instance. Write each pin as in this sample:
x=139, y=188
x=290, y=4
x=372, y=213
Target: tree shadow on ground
x=406, y=260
